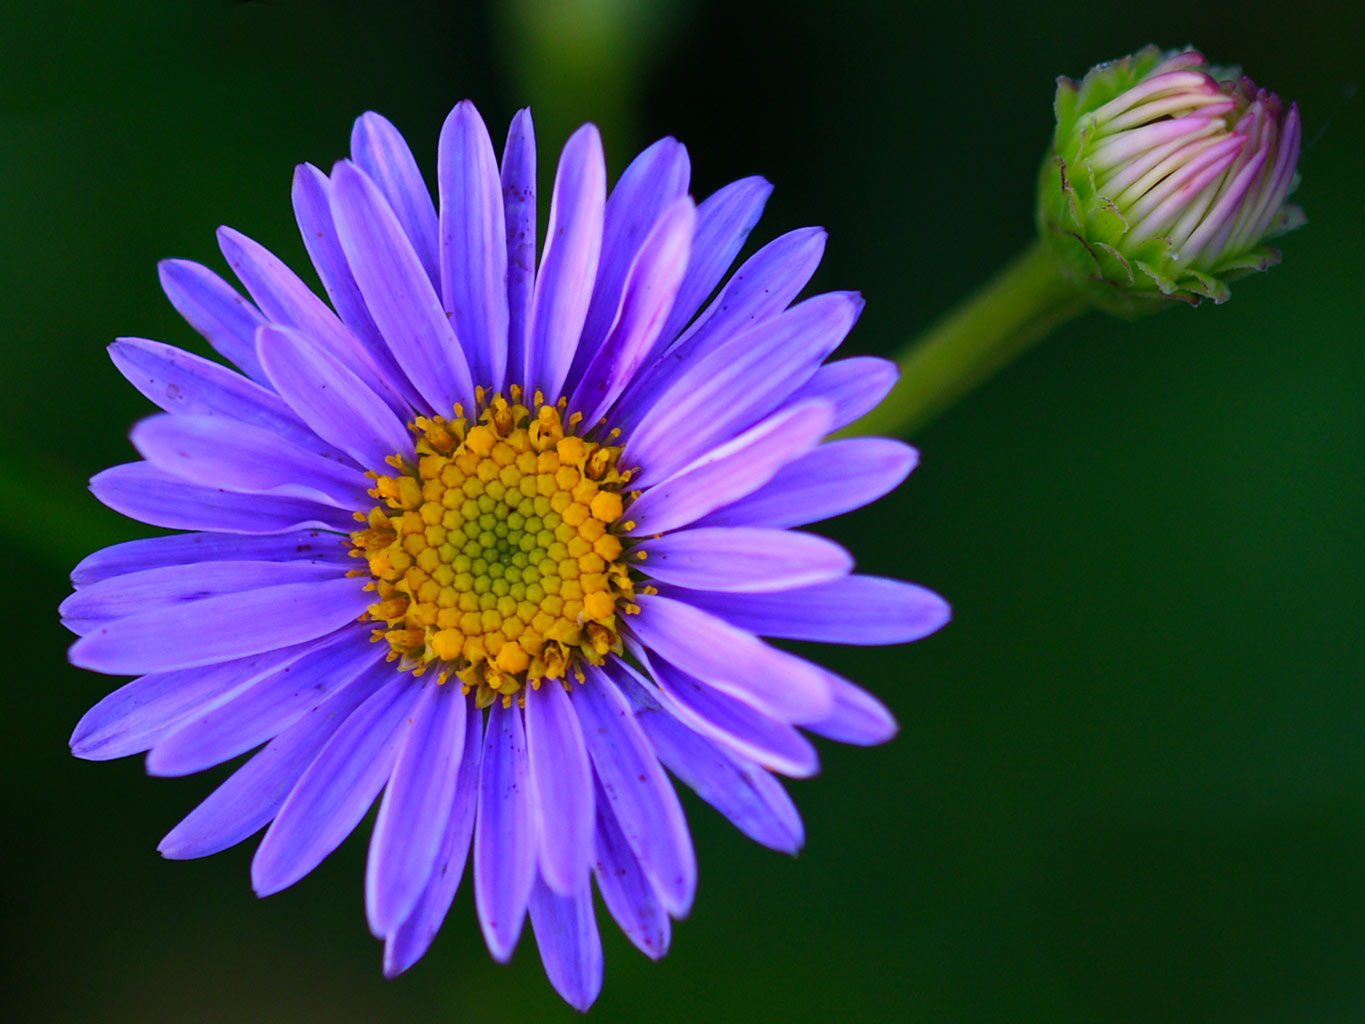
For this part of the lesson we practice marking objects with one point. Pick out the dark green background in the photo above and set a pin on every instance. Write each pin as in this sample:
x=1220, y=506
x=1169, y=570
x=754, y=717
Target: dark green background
x=1130, y=782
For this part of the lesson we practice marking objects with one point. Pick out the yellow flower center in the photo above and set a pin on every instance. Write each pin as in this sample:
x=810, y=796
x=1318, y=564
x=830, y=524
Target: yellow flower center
x=495, y=558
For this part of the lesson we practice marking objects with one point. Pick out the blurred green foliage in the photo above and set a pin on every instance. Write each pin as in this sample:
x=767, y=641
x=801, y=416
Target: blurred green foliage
x=1130, y=784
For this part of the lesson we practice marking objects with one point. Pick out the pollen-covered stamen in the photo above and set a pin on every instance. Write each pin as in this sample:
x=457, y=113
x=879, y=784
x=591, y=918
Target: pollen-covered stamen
x=495, y=559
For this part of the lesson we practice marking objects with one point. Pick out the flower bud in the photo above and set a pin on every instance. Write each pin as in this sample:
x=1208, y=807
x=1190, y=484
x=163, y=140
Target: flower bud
x=1165, y=179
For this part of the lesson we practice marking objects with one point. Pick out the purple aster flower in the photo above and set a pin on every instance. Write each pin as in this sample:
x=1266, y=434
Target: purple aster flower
x=497, y=539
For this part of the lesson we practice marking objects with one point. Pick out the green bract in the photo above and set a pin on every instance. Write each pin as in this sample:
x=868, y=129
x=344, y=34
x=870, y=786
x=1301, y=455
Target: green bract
x=1165, y=179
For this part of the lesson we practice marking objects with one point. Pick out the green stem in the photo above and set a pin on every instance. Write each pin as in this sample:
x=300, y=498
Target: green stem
x=1022, y=304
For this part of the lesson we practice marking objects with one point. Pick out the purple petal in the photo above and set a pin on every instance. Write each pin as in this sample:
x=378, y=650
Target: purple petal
x=141, y=491
x=288, y=302
x=137, y=715
x=743, y=559
x=744, y=793
x=504, y=842
x=857, y=717
x=333, y=401
x=169, y=589
x=752, y=800
x=247, y=459
x=626, y=890
x=185, y=384
x=863, y=610
x=380, y=151
x=724, y=220
x=312, y=195
x=573, y=244
x=473, y=243
x=646, y=298
x=729, y=472
x=404, y=946
x=417, y=805
x=219, y=628
x=702, y=645
x=519, y=215
x=757, y=292
x=213, y=307
x=654, y=181
x=750, y=733
x=853, y=386
x=337, y=788
x=566, y=932
x=766, y=284
x=835, y=478
x=637, y=790
x=310, y=546
x=254, y=793
x=267, y=707
x=739, y=382
x=398, y=292
x=561, y=788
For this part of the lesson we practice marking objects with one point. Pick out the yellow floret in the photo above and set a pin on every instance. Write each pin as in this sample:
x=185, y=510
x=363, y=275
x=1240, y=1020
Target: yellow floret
x=492, y=552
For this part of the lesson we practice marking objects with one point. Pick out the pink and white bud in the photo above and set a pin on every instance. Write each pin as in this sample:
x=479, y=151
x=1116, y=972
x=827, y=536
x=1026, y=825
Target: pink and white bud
x=1165, y=179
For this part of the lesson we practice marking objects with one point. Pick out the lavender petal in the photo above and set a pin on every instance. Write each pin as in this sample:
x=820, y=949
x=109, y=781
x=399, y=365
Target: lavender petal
x=504, y=839
x=743, y=559
x=853, y=386
x=311, y=546
x=744, y=793
x=573, y=245
x=733, y=723
x=724, y=220
x=519, y=216
x=380, y=150
x=862, y=610
x=637, y=790
x=411, y=825
x=730, y=659
x=233, y=625
x=288, y=302
x=743, y=464
x=399, y=292
x=213, y=307
x=266, y=708
x=405, y=945
x=561, y=788
x=338, y=405
x=168, y=589
x=646, y=298
x=473, y=243
x=566, y=932
x=800, y=492
x=655, y=180
x=188, y=385
x=250, y=797
x=246, y=459
x=738, y=383
x=625, y=888
x=312, y=196
x=857, y=716
x=141, y=491
x=759, y=291
x=336, y=789
x=139, y=714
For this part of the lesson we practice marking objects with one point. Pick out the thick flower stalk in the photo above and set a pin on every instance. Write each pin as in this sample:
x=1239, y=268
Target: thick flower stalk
x=497, y=537
x=1166, y=178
